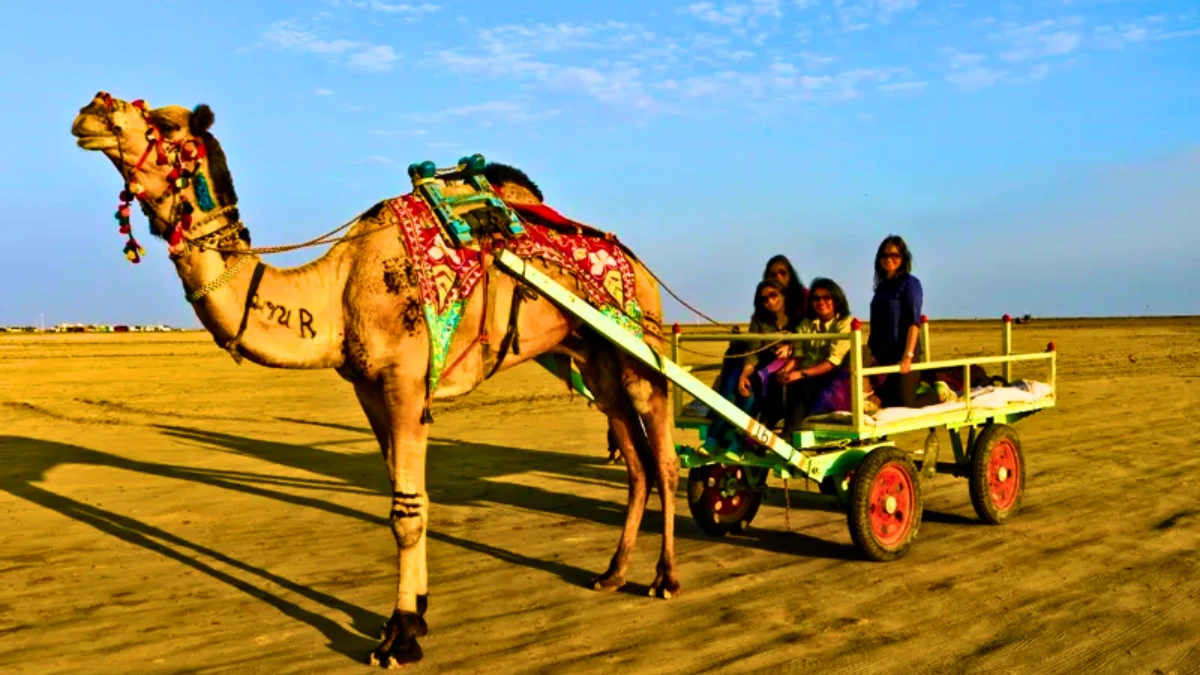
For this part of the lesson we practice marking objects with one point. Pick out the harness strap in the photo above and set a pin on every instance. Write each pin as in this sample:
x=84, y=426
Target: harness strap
x=233, y=345
x=512, y=334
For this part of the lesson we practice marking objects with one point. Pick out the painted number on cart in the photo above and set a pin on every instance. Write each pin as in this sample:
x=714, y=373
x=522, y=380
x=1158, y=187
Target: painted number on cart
x=759, y=432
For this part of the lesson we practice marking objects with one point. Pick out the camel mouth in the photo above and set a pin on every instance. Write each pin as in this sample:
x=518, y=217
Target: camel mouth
x=92, y=134
x=97, y=142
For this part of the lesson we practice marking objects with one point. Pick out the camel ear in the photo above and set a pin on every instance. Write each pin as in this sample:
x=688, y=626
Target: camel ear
x=201, y=120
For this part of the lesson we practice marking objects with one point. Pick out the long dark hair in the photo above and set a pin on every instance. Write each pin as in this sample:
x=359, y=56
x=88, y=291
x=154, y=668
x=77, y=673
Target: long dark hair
x=905, y=258
x=761, y=313
x=795, y=295
x=841, y=306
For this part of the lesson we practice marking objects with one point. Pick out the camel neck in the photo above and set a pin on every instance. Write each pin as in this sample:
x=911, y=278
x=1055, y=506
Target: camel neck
x=293, y=318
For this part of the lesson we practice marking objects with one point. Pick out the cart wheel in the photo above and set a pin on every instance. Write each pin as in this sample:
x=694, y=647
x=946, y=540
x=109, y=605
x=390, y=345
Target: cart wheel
x=885, y=504
x=997, y=474
x=722, y=498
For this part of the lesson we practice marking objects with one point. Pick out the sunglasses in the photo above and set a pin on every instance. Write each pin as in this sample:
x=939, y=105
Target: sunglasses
x=822, y=298
x=891, y=256
x=770, y=296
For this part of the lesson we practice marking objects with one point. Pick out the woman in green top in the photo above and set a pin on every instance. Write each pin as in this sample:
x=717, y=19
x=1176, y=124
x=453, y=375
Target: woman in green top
x=817, y=377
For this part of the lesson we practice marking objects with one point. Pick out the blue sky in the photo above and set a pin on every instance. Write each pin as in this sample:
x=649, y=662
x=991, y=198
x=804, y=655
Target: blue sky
x=1038, y=156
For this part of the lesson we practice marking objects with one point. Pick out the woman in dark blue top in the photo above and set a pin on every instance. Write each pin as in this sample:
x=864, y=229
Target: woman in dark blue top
x=895, y=316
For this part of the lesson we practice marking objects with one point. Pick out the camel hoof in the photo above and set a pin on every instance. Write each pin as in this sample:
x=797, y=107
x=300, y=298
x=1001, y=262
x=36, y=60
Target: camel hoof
x=666, y=591
x=608, y=582
x=399, y=644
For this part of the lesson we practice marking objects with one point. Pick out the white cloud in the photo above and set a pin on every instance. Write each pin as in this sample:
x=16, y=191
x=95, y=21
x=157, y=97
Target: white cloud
x=629, y=67
x=813, y=61
x=323, y=92
x=507, y=111
x=967, y=71
x=378, y=160
x=360, y=55
x=1039, y=40
x=897, y=87
x=376, y=58
x=404, y=8
x=856, y=16
x=391, y=8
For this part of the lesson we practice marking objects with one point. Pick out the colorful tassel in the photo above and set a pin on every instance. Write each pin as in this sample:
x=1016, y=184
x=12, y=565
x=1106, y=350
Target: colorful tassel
x=133, y=251
x=203, y=197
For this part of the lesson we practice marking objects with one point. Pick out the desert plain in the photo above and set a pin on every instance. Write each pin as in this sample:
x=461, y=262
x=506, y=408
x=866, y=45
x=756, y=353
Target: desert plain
x=163, y=510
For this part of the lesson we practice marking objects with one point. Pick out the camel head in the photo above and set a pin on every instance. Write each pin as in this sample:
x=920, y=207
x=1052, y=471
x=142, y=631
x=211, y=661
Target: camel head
x=168, y=160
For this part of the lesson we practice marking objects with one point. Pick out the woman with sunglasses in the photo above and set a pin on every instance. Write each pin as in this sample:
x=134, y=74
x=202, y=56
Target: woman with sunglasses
x=816, y=378
x=895, y=313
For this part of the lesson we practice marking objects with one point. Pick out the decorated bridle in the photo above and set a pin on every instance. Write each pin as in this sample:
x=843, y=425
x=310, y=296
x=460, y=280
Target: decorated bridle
x=184, y=158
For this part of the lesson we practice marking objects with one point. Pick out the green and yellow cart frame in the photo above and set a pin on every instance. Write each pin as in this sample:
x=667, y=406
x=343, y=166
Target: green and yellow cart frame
x=856, y=464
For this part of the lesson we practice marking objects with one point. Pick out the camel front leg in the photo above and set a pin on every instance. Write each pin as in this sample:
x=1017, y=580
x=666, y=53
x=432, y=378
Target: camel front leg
x=405, y=401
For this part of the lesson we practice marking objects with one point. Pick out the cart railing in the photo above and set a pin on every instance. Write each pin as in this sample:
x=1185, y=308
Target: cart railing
x=858, y=370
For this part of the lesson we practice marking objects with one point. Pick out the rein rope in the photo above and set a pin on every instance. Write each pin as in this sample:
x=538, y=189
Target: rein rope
x=181, y=239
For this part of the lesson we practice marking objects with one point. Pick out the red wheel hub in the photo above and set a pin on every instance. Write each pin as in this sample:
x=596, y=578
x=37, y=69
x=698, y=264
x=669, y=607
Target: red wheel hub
x=892, y=503
x=1003, y=475
x=726, y=489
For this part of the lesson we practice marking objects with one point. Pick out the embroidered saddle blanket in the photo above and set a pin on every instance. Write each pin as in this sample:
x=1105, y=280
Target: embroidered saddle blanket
x=447, y=275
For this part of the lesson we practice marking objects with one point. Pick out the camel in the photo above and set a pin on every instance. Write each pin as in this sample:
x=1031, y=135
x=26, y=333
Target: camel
x=353, y=311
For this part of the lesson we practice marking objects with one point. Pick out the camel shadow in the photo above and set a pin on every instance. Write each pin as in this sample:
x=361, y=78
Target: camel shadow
x=26, y=461
x=457, y=473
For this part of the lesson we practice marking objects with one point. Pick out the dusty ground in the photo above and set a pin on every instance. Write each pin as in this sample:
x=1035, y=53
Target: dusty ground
x=163, y=510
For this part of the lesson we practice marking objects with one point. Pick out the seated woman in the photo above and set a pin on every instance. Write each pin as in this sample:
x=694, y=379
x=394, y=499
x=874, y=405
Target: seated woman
x=895, y=312
x=745, y=375
x=780, y=269
x=817, y=378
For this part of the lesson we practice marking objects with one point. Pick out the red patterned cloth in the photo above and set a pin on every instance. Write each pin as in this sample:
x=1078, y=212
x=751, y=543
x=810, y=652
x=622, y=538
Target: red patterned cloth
x=447, y=276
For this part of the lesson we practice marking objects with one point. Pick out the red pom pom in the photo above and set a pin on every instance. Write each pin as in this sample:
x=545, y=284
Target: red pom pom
x=924, y=319
x=176, y=237
x=174, y=174
x=676, y=329
x=185, y=220
x=139, y=104
x=124, y=229
x=1007, y=318
x=855, y=324
x=201, y=153
x=123, y=211
x=1050, y=347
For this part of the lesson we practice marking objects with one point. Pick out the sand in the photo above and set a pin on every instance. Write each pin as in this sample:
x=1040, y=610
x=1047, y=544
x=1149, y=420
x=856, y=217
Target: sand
x=163, y=510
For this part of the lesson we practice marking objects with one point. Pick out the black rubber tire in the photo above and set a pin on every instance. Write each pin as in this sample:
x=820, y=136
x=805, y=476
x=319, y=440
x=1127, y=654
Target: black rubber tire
x=885, y=458
x=700, y=501
x=996, y=438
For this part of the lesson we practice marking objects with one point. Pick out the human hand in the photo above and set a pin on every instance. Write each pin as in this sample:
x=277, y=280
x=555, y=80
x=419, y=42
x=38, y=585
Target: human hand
x=783, y=351
x=906, y=364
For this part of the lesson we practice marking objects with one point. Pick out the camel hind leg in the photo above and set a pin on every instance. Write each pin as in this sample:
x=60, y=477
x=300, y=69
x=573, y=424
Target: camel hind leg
x=601, y=373
x=647, y=391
